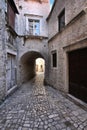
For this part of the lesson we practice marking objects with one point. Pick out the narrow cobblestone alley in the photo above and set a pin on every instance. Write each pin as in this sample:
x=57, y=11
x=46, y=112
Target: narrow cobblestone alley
x=36, y=107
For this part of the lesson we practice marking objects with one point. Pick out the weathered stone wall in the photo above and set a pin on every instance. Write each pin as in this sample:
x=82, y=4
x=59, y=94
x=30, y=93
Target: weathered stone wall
x=70, y=38
x=72, y=8
x=8, y=46
x=27, y=44
x=18, y=46
x=33, y=10
x=2, y=52
x=28, y=51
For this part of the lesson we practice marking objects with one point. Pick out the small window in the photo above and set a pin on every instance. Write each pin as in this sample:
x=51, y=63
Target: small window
x=54, y=59
x=34, y=27
x=61, y=19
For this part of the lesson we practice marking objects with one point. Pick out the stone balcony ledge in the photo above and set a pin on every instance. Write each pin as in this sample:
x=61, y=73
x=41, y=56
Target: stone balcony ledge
x=33, y=37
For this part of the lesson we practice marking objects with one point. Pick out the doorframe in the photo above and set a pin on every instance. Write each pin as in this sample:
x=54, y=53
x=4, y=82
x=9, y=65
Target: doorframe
x=71, y=47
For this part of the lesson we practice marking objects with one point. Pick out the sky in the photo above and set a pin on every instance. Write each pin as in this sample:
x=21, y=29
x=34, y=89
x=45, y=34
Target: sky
x=51, y=3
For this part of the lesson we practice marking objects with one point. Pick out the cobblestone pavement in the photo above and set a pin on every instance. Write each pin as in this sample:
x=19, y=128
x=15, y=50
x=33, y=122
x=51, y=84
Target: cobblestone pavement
x=36, y=107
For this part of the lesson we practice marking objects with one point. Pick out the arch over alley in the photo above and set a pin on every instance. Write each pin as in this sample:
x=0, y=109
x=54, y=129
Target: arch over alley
x=28, y=65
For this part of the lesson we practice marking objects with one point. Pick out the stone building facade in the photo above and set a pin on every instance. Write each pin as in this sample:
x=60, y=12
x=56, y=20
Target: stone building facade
x=8, y=51
x=28, y=30
x=33, y=37
x=23, y=39
x=2, y=52
x=67, y=44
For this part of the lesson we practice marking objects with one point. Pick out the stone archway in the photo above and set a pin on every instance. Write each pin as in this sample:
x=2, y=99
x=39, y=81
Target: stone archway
x=28, y=66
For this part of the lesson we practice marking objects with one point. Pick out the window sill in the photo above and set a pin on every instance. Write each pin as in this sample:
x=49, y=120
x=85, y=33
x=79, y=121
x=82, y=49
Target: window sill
x=54, y=68
x=35, y=37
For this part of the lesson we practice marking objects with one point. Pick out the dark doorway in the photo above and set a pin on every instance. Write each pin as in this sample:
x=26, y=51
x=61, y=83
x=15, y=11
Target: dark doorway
x=78, y=74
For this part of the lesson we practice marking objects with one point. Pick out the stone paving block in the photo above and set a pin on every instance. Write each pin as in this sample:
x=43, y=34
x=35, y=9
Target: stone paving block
x=29, y=108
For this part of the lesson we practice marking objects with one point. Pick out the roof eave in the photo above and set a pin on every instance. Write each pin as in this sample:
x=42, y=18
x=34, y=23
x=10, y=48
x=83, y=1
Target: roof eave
x=13, y=5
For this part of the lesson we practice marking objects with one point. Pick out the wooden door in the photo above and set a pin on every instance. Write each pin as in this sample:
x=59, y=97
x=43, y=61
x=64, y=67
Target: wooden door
x=78, y=74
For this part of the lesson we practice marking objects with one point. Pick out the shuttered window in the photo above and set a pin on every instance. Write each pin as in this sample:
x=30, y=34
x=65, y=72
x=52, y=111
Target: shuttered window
x=34, y=27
